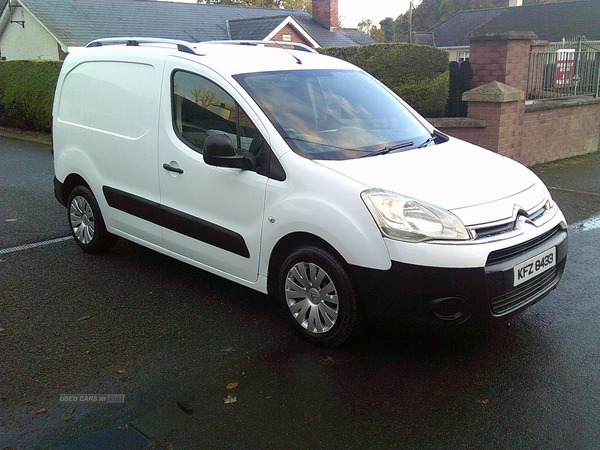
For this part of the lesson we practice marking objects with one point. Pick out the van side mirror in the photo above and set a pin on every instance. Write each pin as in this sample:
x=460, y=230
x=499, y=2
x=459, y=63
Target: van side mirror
x=219, y=152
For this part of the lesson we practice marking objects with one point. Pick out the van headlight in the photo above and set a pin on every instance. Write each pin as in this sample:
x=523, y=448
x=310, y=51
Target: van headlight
x=406, y=219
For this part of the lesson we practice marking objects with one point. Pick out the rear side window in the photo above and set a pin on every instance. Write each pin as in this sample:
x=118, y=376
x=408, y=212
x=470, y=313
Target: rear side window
x=114, y=97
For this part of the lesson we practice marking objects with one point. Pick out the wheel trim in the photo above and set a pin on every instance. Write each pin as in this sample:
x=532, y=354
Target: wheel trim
x=82, y=220
x=312, y=297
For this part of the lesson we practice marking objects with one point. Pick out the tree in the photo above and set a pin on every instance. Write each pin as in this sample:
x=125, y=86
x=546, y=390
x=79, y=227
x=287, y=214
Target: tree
x=367, y=27
x=387, y=26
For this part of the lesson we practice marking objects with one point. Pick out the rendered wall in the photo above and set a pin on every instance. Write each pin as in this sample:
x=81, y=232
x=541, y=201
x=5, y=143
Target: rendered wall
x=30, y=41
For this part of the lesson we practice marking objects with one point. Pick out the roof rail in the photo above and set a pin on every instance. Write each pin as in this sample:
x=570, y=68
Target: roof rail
x=182, y=46
x=296, y=45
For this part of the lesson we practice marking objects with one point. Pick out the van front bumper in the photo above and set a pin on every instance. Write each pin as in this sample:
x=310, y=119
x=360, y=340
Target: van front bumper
x=449, y=296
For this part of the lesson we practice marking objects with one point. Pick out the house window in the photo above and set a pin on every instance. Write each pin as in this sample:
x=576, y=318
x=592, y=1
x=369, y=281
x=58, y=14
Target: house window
x=287, y=38
x=462, y=56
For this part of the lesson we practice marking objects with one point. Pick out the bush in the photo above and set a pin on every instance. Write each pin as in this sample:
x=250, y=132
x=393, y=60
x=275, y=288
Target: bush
x=26, y=93
x=417, y=73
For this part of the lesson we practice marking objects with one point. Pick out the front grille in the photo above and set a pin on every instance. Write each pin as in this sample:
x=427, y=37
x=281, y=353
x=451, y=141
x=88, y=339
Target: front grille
x=525, y=293
x=506, y=254
x=496, y=231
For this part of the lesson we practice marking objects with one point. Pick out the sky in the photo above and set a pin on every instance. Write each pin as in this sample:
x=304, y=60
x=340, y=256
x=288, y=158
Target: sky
x=353, y=11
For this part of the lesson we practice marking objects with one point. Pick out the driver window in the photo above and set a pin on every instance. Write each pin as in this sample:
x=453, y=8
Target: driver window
x=201, y=108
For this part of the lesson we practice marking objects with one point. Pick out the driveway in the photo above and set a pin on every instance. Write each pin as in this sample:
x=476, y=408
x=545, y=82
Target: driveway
x=196, y=361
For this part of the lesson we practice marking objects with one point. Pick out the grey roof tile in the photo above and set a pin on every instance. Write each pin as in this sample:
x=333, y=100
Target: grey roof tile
x=357, y=36
x=549, y=21
x=77, y=22
x=453, y=31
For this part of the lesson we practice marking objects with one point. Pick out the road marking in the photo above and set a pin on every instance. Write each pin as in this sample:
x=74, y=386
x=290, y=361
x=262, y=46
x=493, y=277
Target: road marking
x=575, y=191
x=34, y=245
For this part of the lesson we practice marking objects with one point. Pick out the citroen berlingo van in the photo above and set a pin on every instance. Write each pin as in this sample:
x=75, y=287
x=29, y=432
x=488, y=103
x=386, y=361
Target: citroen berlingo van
x=300, y=176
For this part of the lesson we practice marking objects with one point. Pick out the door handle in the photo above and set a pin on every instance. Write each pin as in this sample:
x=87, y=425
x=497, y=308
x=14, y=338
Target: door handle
x=170, y=168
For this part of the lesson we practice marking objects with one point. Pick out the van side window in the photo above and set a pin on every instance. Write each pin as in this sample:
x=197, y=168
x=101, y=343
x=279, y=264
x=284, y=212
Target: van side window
x=201, y=108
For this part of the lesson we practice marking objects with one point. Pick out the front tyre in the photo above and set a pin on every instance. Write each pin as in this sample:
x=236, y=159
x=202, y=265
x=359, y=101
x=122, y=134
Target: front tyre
x=86, y=223
x=317, y=294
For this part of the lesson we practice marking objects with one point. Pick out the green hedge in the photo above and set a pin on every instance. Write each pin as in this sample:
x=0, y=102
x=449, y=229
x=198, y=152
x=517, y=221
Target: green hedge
x=417, y=73
x=26, y=93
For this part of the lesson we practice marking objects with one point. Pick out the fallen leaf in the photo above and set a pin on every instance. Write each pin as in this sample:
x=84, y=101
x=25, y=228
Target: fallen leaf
x=185, y=407
x=483, y=402
x=327, y=361
x=81, y=319
x=68, y=415
x=10, y=220
x=230, y=399
x=39, y=411
x=121, y=371
x=233, y=385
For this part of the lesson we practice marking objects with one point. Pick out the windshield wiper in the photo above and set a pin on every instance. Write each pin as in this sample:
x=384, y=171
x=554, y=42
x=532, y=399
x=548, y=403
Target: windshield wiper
x=428, y=141
x=436, y=135
x=389, y=148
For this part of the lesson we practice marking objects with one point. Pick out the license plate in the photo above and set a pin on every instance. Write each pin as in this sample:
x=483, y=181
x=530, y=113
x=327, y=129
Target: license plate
x=531, y=268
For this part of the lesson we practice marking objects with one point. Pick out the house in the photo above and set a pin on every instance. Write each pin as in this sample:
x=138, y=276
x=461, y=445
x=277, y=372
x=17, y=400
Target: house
x=46, y=29
x=552, y=22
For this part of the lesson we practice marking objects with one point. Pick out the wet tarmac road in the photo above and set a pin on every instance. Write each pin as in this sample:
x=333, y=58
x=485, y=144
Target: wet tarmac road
x=204, y=363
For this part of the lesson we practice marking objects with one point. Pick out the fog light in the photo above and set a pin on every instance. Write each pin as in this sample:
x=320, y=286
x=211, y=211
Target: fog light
x=450, y=309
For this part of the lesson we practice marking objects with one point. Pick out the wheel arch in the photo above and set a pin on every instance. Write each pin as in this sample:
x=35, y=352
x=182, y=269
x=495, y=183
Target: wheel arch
x=71, y=181
x=286, y=245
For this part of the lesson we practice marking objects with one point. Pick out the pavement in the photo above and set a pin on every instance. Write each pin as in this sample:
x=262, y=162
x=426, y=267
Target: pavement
x=574, y=184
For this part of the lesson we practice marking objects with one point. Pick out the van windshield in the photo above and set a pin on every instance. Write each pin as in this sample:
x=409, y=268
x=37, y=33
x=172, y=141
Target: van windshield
x=334, y=114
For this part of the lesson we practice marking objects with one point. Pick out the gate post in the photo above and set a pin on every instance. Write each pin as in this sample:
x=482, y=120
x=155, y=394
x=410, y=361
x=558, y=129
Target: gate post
x=503, y=109
x=502, y=57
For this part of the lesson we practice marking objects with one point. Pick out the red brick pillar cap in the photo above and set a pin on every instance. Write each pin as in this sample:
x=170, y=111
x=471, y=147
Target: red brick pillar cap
x=494, y=92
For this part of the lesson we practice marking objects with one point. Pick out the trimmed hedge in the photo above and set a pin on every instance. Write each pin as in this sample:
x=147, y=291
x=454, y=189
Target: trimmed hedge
x=27, y=92
x=419, y=74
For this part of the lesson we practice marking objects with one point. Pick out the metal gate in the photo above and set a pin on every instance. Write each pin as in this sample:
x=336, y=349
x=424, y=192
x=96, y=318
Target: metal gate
x=565, y=70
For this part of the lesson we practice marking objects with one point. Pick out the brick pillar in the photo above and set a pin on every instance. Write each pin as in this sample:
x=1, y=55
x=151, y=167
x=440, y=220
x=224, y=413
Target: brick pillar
x=503, y=109
x=501, y=57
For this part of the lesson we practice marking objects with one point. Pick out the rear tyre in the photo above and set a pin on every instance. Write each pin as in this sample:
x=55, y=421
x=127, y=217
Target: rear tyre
x=318, y=296
x=86, y=223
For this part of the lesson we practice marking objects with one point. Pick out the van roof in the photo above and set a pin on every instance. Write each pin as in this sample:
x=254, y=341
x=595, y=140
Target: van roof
x=229, y=57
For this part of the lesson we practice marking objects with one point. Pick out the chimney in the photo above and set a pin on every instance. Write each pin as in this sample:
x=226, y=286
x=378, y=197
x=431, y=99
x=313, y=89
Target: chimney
x=512, y=3
x=326, y=13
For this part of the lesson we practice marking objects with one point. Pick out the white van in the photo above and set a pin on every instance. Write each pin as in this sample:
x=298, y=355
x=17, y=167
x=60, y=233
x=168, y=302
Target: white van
x=300, y=176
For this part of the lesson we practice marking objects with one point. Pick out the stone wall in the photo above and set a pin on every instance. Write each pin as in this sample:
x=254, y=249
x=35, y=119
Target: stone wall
x=558, y=129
